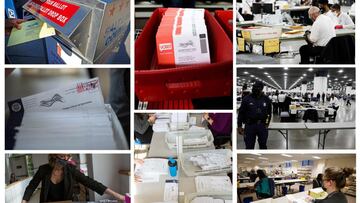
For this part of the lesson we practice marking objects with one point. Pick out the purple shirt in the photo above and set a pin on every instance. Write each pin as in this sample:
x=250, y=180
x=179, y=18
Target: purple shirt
x=222, y=124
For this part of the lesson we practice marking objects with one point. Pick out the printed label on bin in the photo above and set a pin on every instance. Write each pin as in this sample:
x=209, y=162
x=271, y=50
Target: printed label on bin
x=56, y=11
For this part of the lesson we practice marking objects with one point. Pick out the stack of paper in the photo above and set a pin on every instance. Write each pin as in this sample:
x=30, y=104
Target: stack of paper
x=162, y=122
x=72, y=117
x=211, y=161
x=213, y=184
x=179, y=118
x=151, y=169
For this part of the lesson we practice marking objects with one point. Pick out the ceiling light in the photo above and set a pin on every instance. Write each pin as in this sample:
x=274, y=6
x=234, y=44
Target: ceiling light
x=286, y=155
x=246, y=72
x=263, y=158
x=340, y=71
x=286, y=68
x=248, y=158
x=252, y=76
x=310, y=69
x=316, y=157
x=257, y=154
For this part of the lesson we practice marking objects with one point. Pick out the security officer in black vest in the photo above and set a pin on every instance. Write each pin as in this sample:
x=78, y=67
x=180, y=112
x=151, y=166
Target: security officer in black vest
x=255, y=113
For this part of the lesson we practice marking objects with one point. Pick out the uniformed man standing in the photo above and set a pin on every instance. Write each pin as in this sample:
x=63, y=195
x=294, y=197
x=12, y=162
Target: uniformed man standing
x=255, y=113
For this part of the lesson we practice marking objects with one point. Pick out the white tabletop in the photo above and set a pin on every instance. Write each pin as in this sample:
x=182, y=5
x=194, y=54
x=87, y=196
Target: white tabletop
x=330, y=125
x=245, y=185
x=279, y=182
x=287, y=126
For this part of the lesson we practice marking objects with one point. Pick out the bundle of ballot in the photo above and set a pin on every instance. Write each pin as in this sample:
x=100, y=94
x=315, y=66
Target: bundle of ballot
x=182, y=38
x=211, y=160
x=71, y=117
x=317, y=193
x=195, y=163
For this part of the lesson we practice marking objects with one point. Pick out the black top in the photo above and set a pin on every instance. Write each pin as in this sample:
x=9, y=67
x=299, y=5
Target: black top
x=254, y=109
x=71, y=176
x=56, y=192
x=335, y=197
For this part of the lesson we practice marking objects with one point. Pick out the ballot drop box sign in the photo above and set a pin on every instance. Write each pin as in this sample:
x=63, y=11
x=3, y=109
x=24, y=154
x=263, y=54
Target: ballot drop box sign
x=56, y=11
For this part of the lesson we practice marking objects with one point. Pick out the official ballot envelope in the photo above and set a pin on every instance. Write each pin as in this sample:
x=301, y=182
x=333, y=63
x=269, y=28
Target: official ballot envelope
x=92, y=29
x=182, y=38
x=71, y=117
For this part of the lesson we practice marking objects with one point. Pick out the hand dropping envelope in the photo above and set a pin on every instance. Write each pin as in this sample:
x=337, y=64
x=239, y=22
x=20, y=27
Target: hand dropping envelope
x=30, y=31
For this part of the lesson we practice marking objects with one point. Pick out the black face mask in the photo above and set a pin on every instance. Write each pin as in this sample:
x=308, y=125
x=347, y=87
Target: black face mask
x=256, y=90
x=61, y=162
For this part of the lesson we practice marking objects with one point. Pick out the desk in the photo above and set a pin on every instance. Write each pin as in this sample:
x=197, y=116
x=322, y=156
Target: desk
x=284, y=128
x=154, y=192
x=159, y=148
x=290, y=182
x=295, y=8
x=246, y=185
x=325, y=128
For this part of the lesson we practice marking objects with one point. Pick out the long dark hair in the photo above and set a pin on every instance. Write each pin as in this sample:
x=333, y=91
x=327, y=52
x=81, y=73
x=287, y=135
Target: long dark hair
x=339, y=176
x=261, y=174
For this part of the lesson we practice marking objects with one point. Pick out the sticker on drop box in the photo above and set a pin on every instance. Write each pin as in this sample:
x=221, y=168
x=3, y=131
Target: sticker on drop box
x=57, y=11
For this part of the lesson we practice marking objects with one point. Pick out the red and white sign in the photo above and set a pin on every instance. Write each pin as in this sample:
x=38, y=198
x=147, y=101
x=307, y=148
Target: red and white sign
x=57, y=11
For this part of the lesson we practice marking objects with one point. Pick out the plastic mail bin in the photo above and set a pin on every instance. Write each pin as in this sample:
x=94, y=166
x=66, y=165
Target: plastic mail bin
x=154, y=83
x=225, y=20
x=92, y=29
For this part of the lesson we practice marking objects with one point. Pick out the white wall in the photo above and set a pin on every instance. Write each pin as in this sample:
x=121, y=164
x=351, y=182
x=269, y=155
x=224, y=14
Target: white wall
x=104, y=168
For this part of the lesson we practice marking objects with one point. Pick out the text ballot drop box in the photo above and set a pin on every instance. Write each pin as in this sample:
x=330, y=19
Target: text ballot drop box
x=87, y=31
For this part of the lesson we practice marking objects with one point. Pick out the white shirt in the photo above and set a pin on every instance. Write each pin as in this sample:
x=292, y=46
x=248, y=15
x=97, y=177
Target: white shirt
x=322, y=30
x=281, y=97
x=332, y=16
x=274, y=99
x=334, y=102
x=345, y=20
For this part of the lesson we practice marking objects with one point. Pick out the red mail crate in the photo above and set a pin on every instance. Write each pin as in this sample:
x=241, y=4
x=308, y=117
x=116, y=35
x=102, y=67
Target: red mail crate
x=154, y=83
x=224, y=18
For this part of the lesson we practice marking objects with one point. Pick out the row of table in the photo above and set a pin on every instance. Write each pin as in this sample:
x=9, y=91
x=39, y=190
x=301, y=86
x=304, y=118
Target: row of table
x=323, y=128
x=154, y=192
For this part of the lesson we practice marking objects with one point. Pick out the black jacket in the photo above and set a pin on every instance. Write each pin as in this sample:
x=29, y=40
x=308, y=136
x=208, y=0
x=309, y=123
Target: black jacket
x=71, y=175
x=335, y=197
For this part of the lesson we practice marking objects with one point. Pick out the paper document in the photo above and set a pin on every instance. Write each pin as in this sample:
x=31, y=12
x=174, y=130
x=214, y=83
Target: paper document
x=151, y=170
x=215, y=184
x=72, y=117
x=30, y=30
x=171, y=190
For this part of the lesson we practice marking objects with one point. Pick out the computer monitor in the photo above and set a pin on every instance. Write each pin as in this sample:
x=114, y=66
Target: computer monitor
x=262, y=8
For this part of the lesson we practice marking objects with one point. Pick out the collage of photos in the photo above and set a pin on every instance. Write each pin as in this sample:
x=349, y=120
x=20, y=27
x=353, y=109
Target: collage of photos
x=179, y=101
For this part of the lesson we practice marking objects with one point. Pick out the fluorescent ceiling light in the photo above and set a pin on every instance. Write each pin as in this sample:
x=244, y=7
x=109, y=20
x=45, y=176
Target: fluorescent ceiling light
x=286, y=155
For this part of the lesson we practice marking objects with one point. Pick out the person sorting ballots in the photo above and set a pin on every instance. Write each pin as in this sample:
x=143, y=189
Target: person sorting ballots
x=58, y=179
x=255, y=113
x=321, y=32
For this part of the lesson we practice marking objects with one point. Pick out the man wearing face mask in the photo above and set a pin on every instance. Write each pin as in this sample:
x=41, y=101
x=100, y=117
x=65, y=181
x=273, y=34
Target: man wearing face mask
x=321, y=32
x=255, y=113
x=344, y=20
x=58, y=179
x=325, y=9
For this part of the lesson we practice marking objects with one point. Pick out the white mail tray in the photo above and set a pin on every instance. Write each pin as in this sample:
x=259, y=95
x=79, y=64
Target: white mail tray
x=192, y=170
x=191, y=139
x=190, y=197
x=179, y=126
